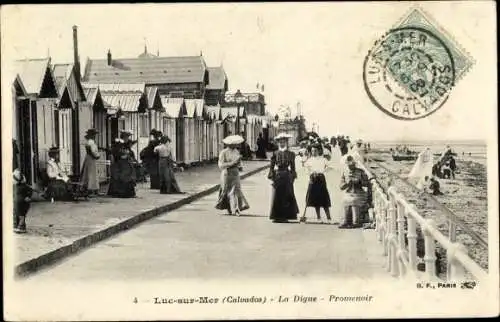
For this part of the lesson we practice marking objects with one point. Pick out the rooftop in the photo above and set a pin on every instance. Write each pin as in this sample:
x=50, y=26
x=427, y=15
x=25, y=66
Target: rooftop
x=157, y=70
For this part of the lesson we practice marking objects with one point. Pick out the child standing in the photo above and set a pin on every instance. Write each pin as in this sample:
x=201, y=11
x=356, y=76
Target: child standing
x=22, y=198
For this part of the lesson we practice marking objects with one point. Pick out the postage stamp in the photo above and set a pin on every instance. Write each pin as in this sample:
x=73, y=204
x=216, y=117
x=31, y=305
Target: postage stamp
x=411, y=70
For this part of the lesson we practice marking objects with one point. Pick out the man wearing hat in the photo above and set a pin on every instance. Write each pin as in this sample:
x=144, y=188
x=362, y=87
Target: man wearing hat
x=150, y=159
x=89, y=169
x=282, y=172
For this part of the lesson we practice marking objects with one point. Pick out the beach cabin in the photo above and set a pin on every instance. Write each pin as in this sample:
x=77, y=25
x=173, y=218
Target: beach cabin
x=126, y=105
x=229, y=118
x=200, y=141
x=173, y=125
x=35, y=120
x=215, y=131
x=75, y=117
x=191, y=130
x=253, y=128
x=155, y=108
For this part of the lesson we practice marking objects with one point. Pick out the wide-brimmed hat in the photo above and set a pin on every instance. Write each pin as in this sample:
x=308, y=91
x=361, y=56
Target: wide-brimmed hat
x=359, y=141
x=283, y=136
x=153, y=132
x=125, y=133
x=165, y=139
x=91, y=132
x=54, y=150
x=233, y=139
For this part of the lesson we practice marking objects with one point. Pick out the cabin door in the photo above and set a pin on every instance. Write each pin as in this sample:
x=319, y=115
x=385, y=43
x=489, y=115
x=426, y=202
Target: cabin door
x=24, y=140
x=65, y=139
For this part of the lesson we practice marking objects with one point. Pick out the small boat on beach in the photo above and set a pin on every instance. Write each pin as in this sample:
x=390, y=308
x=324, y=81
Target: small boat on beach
x=404, y=157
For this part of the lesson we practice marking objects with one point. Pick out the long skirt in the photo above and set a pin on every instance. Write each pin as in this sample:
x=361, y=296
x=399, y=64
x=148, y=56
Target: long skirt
x=59, y=190
x=122, y=182
x=359, y=200
x=231, y=197
x=168, y=183
x=283, y=205
x=89, y=174
x=152, y=166
x=261, y=153
x=317, y=192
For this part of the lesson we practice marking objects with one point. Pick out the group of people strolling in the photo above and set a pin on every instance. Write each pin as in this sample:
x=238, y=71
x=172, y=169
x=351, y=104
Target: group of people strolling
x=59, y=186
x=316, y=159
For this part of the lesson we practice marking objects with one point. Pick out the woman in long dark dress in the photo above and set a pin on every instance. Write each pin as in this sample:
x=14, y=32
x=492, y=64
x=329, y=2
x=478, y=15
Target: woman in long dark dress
x=151, y=160
x=168, y=183
x=123, y=170
x=261, y=148
x=282, y=172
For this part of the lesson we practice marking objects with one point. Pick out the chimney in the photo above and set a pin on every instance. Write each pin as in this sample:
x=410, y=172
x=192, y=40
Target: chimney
x=110, y=61
x=76, y=57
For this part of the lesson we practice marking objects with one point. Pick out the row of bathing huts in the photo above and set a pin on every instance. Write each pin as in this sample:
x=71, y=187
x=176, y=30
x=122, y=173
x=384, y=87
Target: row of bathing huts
x=179, y=96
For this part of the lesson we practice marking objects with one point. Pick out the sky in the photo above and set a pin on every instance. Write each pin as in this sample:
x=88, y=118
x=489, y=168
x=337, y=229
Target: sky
x=310, y=53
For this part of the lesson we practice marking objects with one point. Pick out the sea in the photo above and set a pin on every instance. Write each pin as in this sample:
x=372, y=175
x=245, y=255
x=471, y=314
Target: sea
x=468, y=149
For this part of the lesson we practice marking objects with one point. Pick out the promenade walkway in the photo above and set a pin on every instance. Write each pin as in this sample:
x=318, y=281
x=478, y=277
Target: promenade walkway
x=197, y=241
x=52, y=227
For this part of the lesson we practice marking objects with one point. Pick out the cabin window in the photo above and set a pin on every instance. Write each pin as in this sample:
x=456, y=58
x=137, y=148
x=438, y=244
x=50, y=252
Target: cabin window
x=143, y=124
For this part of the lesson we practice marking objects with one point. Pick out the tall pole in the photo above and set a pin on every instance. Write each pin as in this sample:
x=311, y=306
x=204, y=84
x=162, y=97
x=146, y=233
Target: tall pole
x=237, y=119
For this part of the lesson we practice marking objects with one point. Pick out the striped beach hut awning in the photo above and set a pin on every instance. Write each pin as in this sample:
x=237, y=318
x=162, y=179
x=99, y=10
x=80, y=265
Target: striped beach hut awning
x=214, y=112
x=194, y=108
x=174, y=107
x=126, y=97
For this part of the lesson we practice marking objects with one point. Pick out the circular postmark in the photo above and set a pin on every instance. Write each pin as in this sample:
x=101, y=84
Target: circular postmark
x=409, y=73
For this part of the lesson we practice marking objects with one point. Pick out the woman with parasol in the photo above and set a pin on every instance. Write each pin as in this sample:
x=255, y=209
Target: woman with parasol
x=231, y=197
x=123, y=167
x=282, y=173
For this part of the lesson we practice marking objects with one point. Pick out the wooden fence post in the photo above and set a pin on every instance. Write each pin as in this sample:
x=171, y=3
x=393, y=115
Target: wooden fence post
x=455, y=271
x=412, y=243
x=430, y=252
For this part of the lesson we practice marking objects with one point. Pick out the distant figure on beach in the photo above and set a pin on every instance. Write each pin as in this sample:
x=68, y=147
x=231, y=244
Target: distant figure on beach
x=435, y=187
x=446, y=170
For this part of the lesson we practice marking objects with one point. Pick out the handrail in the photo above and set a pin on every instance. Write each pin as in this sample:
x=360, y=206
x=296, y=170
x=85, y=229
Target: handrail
x=391, y=211
x=445, y=210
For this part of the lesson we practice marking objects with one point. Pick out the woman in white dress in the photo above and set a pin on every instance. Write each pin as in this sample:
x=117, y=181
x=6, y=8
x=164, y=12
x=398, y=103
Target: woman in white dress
x=317, y=192
x=231, y=197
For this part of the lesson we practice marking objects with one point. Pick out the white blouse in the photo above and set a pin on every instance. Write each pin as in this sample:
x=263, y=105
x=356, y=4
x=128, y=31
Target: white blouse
x=227, y=157
x=317, y=164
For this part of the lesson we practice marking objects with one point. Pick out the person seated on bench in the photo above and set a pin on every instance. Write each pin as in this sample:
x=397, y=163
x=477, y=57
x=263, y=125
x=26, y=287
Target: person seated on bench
x=58, y=187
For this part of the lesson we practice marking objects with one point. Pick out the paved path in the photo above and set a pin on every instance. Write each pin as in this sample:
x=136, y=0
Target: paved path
x=53, y=225
x=197, y=241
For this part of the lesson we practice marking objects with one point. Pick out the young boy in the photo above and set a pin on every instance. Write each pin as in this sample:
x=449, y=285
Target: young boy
x=22, y=198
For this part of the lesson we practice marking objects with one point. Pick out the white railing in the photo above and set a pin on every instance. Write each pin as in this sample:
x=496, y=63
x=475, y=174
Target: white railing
x=397, y=221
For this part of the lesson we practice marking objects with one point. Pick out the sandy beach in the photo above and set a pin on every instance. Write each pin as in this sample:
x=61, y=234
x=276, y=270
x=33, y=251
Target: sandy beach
x=466, y=196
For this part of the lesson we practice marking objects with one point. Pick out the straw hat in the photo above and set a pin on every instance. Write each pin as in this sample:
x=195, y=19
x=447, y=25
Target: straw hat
x=233, y=139
x=283, y=136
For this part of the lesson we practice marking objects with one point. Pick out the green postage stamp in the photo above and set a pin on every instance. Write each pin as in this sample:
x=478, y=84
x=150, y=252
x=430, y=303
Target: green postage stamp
x=411, y=70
